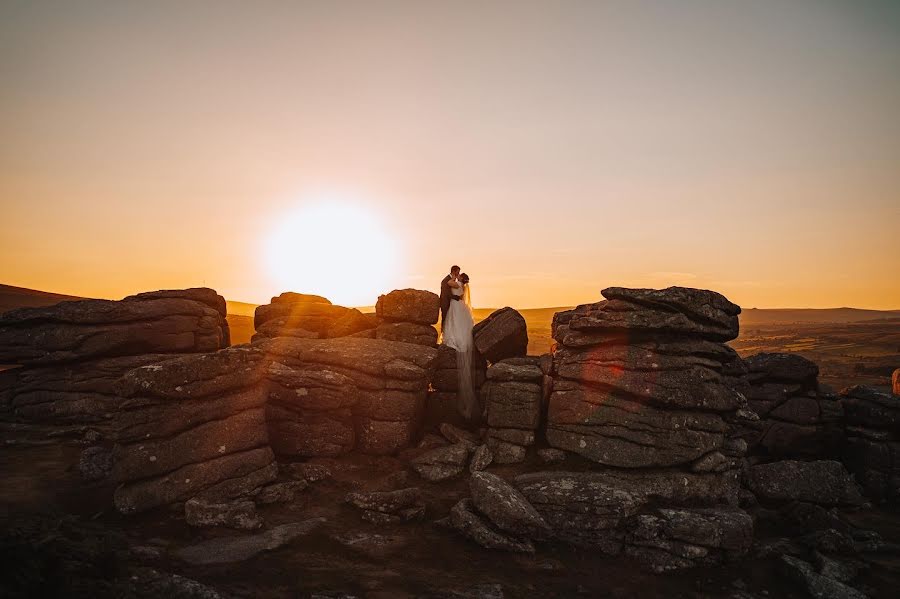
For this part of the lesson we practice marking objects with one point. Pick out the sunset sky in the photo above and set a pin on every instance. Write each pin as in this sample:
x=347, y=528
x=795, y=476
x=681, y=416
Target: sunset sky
x=550, y=148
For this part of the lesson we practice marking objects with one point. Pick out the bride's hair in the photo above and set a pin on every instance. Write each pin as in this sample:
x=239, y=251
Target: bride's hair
x=464, y=278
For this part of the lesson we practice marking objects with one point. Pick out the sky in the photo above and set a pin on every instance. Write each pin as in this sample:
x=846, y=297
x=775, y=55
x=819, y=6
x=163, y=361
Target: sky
x=552, y=149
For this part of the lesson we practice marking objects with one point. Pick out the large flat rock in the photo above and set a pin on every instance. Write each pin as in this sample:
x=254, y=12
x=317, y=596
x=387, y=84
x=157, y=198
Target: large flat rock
x=170, y=321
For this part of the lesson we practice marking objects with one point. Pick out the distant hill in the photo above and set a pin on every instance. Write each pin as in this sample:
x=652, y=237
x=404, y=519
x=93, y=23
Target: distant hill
x=20, y=297
x=760, y=316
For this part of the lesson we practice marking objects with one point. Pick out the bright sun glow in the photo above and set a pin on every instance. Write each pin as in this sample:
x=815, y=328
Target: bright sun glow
x=335, y=248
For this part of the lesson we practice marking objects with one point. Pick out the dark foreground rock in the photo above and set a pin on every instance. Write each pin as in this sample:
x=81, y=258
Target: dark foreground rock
x=506, y=507
x=873, y=441
x=823, y=482
x=471, y=525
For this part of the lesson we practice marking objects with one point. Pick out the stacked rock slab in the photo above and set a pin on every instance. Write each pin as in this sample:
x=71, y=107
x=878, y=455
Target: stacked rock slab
x=639, y=388
x=329, y=396
x=309, y=317
x=72, y=353
x=512, y=407
x=797, y=418
x=872, y=420
x=193, y=427
x=408, y=315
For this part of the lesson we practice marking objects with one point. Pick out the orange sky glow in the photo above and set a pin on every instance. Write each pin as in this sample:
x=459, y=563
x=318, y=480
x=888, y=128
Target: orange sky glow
x=550, y=148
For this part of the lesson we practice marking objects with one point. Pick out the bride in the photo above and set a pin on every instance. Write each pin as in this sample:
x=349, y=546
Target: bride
x=458, y=334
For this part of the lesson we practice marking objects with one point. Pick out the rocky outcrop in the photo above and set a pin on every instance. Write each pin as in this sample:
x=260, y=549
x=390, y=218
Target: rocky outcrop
x=872, y=454
x=72, y=353
x=503, y=334
x=159, y=322
x=328, y=396
x=895, y=382
x=512, y=406
x=796, y=417
x=192, y=427
x=308, y=317
x=408, y=315
x=638, y=378
x=640, y=387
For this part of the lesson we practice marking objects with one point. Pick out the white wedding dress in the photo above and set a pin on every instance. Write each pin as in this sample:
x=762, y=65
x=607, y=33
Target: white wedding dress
x=457, y=333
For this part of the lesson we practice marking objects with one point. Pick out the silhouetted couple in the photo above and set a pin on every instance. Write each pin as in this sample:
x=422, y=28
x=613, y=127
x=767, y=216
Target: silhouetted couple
x=456, y=332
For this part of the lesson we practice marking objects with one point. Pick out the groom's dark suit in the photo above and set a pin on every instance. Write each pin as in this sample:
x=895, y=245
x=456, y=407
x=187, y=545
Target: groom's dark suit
x=446, y=297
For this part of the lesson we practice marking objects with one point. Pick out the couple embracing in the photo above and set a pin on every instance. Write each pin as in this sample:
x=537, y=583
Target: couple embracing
x=456, y=332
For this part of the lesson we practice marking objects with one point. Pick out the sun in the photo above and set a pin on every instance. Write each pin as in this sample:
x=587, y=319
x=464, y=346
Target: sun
x=333, y=247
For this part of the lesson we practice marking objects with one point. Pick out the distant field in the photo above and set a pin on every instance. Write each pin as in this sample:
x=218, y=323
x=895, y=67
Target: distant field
x=851, y=346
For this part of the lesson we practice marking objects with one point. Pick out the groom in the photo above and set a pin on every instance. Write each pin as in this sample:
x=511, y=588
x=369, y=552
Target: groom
x=446, y=295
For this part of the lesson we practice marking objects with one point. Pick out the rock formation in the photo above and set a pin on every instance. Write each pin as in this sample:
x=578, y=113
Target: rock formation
x=512, y=407
x=503, y=334
x=872, y=421
x=639, y=388
x=192, y=427
x=328, y=396
x=308, y=317
x=408, y=315
x=797, y=417
x=895, y=382
x=73, y=352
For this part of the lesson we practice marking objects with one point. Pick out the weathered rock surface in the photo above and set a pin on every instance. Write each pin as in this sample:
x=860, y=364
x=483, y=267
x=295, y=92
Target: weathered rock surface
x=671, y=539
x=225, y=550
x=191, y=426
x=503, y=334
x=592, y=509
x=408, y=332
x=409, y=305
x=441, y=463
x=236, y=514
x=506, y=507
x=79, y=392
x=823, y=482
x=678, y=311
x=283, y=492
x=466, y=521
x=297, y=311
x=797, y=418
x=481, y=458
x=327, y=397
x=504, y=452
x=818, y=585
x=512, y=399
x=873, y=441
x=163, y=322
x=384, y=507
x=619, y=432
x=551, y=455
